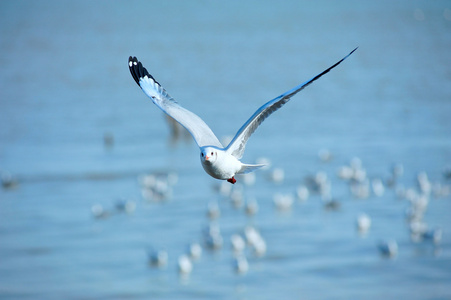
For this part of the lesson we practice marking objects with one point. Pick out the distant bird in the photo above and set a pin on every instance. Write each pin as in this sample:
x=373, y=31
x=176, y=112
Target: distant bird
x=259, y=247
x=213, y=210
x=277, y=175
x=249, y=179
x=283, y=202
x=388, y=248
x=332, y=205
x=194, y=251
x=396, y=172
x=363, y=223
x=108, y=140
x=238, y=243
x=325, y=155
x=212, y=236
x=378, y=187
x=420, y=231
x=8, y=181
x=185, y=265
x=218, y=161
x=99, y=212
x=251, y=207
x=158, y=258
x=157, y=187
x=127, y=206
x=302, y=192
x=240, y=264
x=237, y=198
x=417, y=229
x=319, y=183
x=255, y=240
x=434, y=235
x=424, y=183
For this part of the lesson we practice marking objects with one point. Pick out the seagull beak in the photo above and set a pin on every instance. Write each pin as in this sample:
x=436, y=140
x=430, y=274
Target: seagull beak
x=206, y=157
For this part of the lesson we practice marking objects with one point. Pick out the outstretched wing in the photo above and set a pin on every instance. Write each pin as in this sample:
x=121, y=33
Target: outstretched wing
x=200, y=131
x=237, y=145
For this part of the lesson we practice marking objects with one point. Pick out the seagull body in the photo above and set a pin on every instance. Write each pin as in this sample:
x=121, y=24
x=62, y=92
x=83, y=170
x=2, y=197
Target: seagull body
x=218, y=161
x=221, y=165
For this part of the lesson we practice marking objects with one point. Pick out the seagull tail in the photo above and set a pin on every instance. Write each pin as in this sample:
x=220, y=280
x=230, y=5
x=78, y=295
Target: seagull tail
x=246, y=168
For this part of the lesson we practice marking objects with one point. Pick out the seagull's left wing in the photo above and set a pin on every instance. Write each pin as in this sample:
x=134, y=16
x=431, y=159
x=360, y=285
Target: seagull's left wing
x=200, y=131
x=237, y=145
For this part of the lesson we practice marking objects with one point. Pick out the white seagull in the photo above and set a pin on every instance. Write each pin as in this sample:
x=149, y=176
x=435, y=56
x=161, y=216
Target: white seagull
x=218, y=161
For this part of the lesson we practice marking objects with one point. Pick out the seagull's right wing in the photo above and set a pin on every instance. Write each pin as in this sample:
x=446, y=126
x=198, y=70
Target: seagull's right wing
x=200, y=131
x=237, y=145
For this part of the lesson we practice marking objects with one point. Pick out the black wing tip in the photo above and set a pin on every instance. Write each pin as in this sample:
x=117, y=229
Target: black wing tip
x=345, y=57
x=134, y=68
x=353, y=51
x=138, y=71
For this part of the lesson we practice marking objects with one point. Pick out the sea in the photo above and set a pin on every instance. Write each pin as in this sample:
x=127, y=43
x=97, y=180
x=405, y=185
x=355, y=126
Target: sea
x=103, y=197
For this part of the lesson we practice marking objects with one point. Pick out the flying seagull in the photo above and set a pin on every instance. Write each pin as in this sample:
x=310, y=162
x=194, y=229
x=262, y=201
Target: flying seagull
x=218, y=161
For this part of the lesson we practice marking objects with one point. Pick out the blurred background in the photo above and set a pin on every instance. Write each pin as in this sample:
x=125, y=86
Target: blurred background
x=100, y=199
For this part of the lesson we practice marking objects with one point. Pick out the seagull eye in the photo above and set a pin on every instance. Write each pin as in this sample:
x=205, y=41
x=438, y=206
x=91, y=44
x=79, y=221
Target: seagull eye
x=202, y=154
x=211, y=153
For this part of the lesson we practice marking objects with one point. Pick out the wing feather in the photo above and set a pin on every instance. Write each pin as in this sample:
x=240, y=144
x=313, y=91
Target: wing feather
x=237, y=145
x=200, y=131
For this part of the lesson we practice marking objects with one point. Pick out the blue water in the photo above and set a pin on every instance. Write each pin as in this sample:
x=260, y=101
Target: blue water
x=65, y=85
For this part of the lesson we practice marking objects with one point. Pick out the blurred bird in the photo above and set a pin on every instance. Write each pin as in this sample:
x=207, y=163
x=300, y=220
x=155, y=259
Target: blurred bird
x=218, y=161
x=108, y=140
x=213, y=210
x=378, y=187
x=185, y=265
x=283, y=202
x=332, y=204
x=434, y=235
x=157, y=187
x=363, y=223
x=424, y=184
x=238, y=243
x=158, y=258
x=99, y=212
x=255, y=240
x=277, y=175
x=388, y=248
x=237, y=198
x=325, y=155
x=249, y=179
x=240, y=264
x=127, y=206
x=212, y=236
x=302, y=192
x=251, y=207
x=195, y=251
x=8, y=181
x=319, y=183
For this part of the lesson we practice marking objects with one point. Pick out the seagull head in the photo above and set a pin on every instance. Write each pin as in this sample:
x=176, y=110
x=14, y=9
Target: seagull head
x=208, y=154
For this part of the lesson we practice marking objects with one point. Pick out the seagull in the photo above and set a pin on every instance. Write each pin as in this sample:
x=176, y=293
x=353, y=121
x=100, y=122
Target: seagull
x=218, y=161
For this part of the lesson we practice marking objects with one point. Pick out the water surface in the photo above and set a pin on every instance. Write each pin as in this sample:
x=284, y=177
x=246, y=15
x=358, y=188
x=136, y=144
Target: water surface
x=65, y=85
